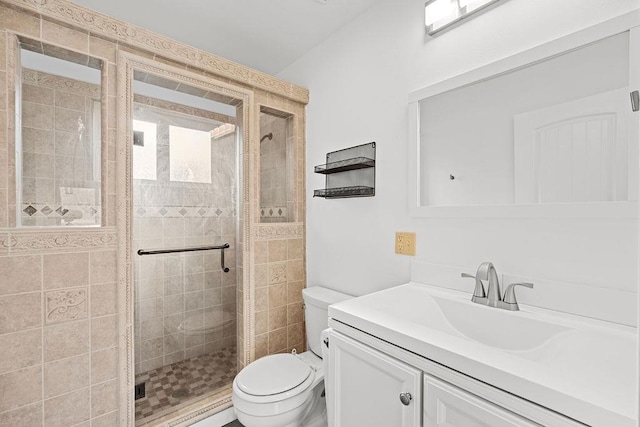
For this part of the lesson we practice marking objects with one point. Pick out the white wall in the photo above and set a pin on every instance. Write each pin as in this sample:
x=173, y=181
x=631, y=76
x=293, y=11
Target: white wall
x=359, y=81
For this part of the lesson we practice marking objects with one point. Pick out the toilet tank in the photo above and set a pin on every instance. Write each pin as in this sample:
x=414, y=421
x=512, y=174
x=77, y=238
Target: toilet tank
x=316, y=302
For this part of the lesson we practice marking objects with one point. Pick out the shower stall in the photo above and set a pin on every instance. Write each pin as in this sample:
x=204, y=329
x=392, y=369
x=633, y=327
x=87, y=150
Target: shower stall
x=185, y=210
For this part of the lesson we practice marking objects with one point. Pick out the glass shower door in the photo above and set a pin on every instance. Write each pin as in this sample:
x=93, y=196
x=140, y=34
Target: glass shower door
x=184, y=203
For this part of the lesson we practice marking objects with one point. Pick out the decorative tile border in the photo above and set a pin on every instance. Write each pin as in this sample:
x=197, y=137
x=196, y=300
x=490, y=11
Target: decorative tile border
x=41, y=79
x=57, y=210
x=182, y=212
x=291, y=230
x=65, y=305
x=58, y=239
x=273, y=212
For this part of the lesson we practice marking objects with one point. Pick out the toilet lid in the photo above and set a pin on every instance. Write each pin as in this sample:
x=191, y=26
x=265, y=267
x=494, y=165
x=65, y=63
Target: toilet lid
x=273, y=375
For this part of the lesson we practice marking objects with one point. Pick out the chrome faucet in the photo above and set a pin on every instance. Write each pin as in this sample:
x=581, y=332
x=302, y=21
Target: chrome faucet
x=487, y=271
x=493, y=297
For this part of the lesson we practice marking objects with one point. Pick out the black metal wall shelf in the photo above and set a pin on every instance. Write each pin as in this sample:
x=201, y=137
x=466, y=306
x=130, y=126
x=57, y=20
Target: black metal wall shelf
x=346, y=165
x=343, y=192
x=349, y=173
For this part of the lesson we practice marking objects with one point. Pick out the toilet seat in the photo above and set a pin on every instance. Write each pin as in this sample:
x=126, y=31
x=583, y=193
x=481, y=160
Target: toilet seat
x=273, y=375
x=275, y=378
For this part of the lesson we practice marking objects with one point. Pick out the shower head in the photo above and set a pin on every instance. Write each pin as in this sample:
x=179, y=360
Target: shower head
x=269, y=135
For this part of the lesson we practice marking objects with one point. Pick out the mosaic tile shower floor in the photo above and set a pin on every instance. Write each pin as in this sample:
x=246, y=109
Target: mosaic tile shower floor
x=173, y=386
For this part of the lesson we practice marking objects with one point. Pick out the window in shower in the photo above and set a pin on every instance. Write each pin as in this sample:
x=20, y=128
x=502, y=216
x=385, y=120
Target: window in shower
x=58, y=137
x=190, y=155
x=145, y=159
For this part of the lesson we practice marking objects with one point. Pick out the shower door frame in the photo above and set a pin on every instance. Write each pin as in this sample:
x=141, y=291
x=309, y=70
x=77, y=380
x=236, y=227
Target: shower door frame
x=127, y=63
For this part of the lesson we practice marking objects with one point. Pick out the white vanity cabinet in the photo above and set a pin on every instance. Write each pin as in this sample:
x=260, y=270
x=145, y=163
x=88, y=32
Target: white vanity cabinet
x=369, y=388
x=446, y=405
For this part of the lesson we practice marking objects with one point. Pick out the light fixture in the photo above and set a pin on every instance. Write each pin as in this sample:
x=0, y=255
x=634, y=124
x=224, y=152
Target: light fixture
x=440, y=14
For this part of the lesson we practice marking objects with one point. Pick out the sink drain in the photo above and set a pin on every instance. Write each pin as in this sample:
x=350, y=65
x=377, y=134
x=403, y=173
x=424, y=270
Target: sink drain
x=179, y=394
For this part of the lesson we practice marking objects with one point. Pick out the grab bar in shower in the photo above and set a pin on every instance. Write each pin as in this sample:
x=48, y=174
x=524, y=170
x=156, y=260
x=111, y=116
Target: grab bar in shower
x=193, y=249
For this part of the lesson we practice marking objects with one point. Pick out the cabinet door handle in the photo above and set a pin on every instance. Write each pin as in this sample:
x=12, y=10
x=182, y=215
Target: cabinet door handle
x=405, y=398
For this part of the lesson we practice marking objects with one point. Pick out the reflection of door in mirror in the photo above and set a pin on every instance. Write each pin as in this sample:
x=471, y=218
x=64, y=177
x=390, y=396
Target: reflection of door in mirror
x=277, y=198
x=521, y=136
x=58, y=138
x=575, y=152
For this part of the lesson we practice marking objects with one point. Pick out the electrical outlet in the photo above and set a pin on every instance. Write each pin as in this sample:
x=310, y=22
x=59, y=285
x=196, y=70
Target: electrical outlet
x=405, y=243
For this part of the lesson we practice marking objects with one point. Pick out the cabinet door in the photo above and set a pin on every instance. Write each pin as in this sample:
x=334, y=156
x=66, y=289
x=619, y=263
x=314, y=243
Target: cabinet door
x=365, y=387
x=448, y=406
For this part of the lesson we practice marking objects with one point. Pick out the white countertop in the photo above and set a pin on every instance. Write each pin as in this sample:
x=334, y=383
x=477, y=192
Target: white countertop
x=589, y=374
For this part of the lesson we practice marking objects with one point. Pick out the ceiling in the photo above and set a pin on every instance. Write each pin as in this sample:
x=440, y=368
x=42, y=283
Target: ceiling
x=267, y=35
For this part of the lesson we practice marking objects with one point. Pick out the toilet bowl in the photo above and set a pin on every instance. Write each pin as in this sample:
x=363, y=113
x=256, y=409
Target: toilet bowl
x=280, y=390
x=287, y=390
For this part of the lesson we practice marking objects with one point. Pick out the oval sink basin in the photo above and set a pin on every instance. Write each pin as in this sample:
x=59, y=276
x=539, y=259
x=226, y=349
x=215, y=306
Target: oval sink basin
x=503, y=329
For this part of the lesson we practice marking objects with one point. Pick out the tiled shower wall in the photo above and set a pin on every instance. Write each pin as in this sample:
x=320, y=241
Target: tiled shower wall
x=58, y=150
x=185, y=304
x=276, y=185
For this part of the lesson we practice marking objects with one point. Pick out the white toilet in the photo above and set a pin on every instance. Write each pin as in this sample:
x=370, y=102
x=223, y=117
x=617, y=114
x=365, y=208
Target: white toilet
x=287, y=390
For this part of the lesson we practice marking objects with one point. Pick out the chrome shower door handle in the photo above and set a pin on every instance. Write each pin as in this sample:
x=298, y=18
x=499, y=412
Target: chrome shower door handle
x=406, y=398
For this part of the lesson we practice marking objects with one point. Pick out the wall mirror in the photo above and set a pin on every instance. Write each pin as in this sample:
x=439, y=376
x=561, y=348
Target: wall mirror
x=58, y=137
x=549, y=131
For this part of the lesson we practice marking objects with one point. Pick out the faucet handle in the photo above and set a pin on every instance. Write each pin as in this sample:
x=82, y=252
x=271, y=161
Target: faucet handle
x=478, y=293
x=510, y=295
